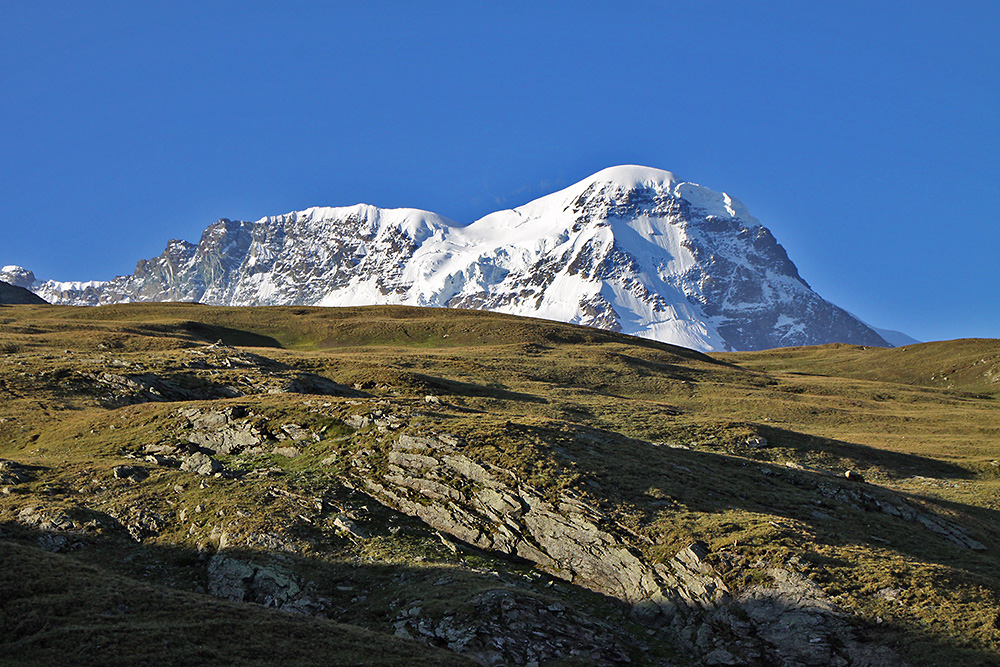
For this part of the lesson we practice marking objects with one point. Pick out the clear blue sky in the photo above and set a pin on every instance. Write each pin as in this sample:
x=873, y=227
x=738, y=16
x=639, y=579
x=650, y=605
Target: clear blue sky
x=865, y=135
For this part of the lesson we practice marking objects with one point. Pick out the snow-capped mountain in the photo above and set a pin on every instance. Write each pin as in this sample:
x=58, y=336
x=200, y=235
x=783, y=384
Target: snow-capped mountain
x=631, y=249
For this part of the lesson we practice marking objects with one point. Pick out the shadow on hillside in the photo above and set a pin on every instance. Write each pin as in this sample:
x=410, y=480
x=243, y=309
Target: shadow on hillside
x=59, y=596
x=458, y=388
x=896, y=463
x=208, y=333
x=106, y=585
x=636, y=473
x=656, y=368
x=212, y=372
x=65, y=608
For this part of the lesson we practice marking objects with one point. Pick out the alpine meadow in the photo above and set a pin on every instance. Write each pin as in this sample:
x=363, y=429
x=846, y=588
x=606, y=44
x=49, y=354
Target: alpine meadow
x=512, y=334
x=400, y=485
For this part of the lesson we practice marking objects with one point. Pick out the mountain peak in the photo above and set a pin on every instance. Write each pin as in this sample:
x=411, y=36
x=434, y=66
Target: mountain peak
x=613, y=184
x=17, y=276
x=631, y=176
x=629, y=248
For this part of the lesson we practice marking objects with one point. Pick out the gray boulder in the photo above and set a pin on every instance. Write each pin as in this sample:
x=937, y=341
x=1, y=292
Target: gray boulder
x=243, y=581
x=201, y=464
x=133, y=473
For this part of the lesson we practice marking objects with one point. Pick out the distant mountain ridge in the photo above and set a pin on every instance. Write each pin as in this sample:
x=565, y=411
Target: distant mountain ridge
x=630, y=249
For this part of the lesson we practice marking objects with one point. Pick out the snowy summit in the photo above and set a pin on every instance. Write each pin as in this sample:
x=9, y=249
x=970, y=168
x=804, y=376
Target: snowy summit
x=631, y=249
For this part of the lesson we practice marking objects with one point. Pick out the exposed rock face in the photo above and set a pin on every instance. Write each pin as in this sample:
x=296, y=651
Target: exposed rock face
x=201, y=464
x=245, y=581
x=789, y=621
x=44, y=518
x=507, y=628
x=489, y=508
x=223, y=431
x=629, y=249
x=870, y=502
x=18, y=276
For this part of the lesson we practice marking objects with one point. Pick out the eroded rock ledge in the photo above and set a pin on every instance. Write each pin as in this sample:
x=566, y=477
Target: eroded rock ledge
x=486, y=506
x=788, y=621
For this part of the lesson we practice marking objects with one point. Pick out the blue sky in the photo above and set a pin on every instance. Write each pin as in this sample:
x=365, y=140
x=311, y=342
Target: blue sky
x=864, y=135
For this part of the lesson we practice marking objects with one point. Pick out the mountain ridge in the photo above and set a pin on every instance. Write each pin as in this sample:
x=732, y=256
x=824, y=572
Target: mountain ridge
x=631, y=249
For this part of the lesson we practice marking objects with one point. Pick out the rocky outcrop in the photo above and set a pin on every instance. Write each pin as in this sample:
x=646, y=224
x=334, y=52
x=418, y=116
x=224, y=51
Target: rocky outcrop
x=226, y=431
x=246, y=581
x=896, y=507
x=202, y=464
x=503, y=627
x=48, y=518
x=132, y=473
x=214, y=371
x=140, y=523
x=120, y=389
x=488, y=507
x=787, y=621
x=236, y=430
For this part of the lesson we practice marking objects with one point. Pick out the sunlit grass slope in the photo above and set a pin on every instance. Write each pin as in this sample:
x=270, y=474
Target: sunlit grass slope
x=736, y=450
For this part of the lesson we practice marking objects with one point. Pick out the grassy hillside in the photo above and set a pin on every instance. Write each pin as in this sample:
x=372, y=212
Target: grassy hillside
x=58, y=610
x=338, y=493
x=970, y=365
